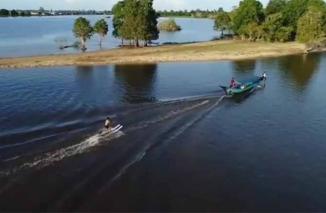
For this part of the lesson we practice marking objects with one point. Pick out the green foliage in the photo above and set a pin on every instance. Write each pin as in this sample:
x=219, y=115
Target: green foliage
x=292, y=11
x=101, y=28
x=14, y=13
x=222, y=21
x=320, y=4
x=284, y=34
x=169, y=25
x=311, y=26
x=252, y=31
x=131, y=20
x=271, y=26
x=118, y=18
x=149, y=21
x=82, y=30
x=249, y=11
x=135, y=20
x=274, y=30
x=286, y=20
x=25, y=13
x=275, y=6
x=4, y=13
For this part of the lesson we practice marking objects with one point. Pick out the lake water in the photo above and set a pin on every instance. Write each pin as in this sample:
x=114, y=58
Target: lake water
x=182, y=149
x=25, y=36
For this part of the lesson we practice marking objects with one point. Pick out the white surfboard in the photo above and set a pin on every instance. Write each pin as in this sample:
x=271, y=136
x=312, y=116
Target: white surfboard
x=112, y=131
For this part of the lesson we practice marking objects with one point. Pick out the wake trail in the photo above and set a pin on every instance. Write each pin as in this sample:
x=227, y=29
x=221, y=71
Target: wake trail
x=52, y=157
x=169, y=115
x=196, y=119
x=127, y=112
x=138, y=156
x=142, y=154
x=58, y=155
x=95, y=140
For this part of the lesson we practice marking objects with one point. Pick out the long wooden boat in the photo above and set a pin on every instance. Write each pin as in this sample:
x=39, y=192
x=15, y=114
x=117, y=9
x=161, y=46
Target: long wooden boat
x=244, y=86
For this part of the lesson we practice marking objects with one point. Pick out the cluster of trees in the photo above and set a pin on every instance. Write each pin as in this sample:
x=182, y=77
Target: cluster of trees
x=169, y=25
x=185, y=13
x=14, y=13
x=281, y=20
x=84, y=30
x=43, y=12
x=135, y=21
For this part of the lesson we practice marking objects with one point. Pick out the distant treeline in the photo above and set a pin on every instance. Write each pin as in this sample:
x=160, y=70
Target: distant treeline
x=43, y=12
x=185, y=13
x=281, y=20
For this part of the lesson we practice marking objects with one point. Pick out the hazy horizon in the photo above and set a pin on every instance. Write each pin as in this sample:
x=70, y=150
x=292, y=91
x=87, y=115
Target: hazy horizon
x=107, y=4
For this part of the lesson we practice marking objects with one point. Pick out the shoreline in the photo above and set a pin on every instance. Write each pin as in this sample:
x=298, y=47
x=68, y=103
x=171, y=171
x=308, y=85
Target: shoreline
x=203, y=51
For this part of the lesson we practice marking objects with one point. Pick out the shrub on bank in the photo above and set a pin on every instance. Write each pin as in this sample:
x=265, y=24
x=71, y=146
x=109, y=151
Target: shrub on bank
x=169, y=25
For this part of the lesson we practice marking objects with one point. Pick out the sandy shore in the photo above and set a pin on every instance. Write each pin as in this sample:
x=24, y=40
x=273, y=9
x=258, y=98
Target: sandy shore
x=206, y=51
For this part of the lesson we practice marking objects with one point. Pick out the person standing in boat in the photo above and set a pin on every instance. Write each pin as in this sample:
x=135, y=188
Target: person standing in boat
x=264, y=76
x=108, y=123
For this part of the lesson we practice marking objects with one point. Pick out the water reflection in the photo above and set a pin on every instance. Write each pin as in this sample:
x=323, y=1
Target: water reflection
x=137, y=82
x=244, y=66
x=84, y=77
x=84, y=71
x=299, y=68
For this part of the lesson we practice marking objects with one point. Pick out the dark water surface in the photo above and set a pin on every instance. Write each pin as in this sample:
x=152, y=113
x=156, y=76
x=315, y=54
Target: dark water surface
x=26, y=36
x=181, y=149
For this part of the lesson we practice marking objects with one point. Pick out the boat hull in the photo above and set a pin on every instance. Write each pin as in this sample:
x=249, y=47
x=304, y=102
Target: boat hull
x=244, y=87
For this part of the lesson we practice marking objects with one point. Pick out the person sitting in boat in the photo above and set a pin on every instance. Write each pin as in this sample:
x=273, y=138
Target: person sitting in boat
x=108, y=123
x=234, y=83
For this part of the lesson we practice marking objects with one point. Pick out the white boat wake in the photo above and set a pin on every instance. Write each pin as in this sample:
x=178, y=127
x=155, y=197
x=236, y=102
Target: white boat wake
x=50, y=158
x=58, y=155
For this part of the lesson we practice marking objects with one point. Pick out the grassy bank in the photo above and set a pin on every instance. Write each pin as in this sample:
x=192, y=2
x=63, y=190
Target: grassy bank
x=206, y=51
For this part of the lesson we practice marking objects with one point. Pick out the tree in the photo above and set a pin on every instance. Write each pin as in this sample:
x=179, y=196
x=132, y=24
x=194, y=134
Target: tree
x=320, y=4
x=222, y=21
x=14, y=13
x=41, y=10
x=4, y=13
x=292, y=11
x=252, y=31
x=83, y=30
x=135, y=20
x=27, y=13
x=271, y=26
x=101, y=28
x=118, y=19
x=311, y=26
x=150, y=16
x=274, y=6
x=274, y=30
x=249, y=11
x=284, y=34
x=131, y=22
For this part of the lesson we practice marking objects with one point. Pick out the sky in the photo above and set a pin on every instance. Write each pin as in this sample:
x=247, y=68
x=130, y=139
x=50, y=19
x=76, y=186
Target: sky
x=107, y=4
